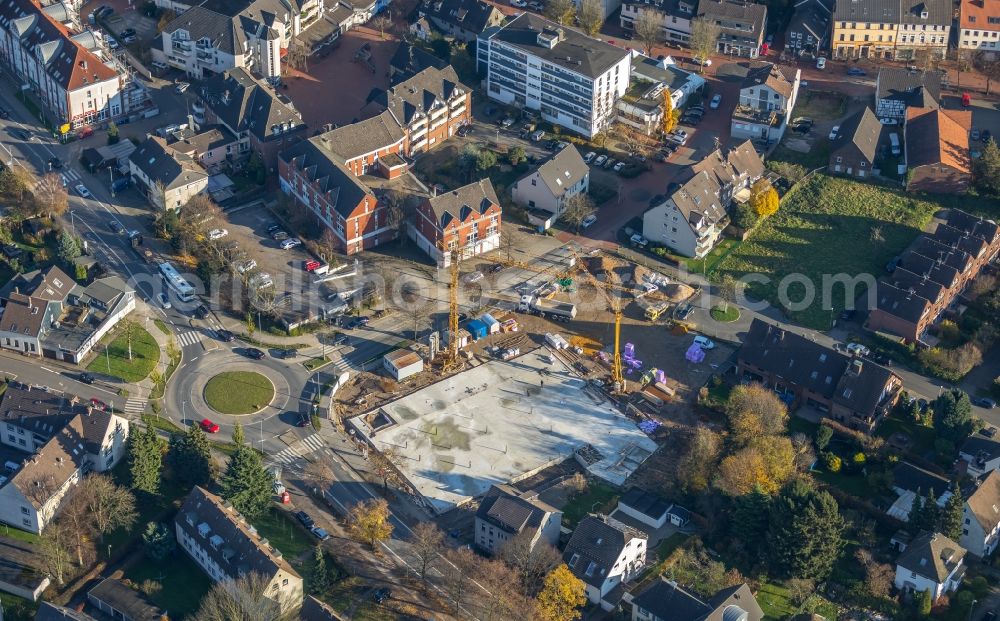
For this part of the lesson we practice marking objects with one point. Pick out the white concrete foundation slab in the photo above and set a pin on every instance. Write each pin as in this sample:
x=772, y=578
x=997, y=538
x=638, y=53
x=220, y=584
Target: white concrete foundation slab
x=502, y=422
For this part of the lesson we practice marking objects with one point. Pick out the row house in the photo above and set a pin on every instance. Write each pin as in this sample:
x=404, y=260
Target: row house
x=898, y=29
x=691, y=219
x=62, y=441
x=808, y=33
x=429, y=106
x=674, y=17
x=367, y=147
x=857, y=393
x=227, y=546
x=314, y=175
x=932, y=274
x=466, y=221
x=741, y=25
x=71, y=83
x=979, y=27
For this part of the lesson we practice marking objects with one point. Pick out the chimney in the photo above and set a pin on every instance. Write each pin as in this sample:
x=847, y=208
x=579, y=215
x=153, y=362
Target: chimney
x=856, y=366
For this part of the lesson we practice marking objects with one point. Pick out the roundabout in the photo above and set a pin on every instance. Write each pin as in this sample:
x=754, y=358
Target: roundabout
x=238, y=393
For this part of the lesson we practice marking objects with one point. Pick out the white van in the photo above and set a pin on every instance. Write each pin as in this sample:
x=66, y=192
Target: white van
x=894, y=141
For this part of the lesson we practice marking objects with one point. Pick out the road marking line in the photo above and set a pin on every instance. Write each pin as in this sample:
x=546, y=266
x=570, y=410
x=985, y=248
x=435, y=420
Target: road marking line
x=46, y=369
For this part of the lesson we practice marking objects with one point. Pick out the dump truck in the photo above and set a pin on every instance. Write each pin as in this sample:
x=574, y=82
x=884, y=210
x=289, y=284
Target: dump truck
x=552, y=309
x=656, y=310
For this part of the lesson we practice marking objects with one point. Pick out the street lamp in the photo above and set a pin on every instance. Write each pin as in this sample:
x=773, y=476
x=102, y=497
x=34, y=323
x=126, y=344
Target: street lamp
x=72, y=220
x=184, y=410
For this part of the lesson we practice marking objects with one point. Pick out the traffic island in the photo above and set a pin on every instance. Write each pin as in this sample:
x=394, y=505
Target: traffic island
x=725, y=314
x=238, y=392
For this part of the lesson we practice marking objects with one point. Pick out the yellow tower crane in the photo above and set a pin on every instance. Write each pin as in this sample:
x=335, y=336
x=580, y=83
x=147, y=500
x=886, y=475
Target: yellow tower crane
x=451, y=354
x=615, y=306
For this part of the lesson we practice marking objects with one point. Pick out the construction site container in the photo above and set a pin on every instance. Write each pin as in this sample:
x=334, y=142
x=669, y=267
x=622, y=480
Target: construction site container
x=477, y=329
x=667, y=390
x=492, y=325
x=402, y=363
x=555, y=341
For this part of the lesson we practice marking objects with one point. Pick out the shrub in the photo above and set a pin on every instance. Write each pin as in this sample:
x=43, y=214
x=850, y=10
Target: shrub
x=951, y=364
x=859, y=459
x=823, y=437
x=831, y=462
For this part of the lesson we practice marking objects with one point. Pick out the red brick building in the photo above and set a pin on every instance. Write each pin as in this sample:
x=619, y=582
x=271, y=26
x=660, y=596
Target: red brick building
x=932, y=274
x=316, y=178
x=361, y=147
x=429, y=106
x=937, y=150
x=468, y=219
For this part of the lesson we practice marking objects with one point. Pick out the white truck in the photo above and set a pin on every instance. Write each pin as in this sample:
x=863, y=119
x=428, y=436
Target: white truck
x=552, y=309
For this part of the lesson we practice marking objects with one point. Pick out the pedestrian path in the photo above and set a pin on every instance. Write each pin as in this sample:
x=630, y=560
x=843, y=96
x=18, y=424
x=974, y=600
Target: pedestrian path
x=135, y=406
x=186, y=339
x=299, y=450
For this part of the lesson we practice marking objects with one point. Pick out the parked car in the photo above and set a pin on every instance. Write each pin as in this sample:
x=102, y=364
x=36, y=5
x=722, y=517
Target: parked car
x=821, y=63
x=19, y=133
x=201, y=312
x=856, y=71
x=116, y=227
x=989, y=432
x=246, y=266
x=589, y=156
x=217, y=234
x=225, y=336
x=685, y=311
x=537, y=135
x=163, y=300
x=473, y=277
x=985, y=402
x=384, y=593
x=274, y=226
x=464, y=130
x=638, y=240
x=304, y=518
x=704, y=62
x=716, y=102
x=599, y=160
x=888, y=121
x=507, y=122
x=254, y=353
x=55, y=163
x=290, y=243
x=208, y=426
x=986, y=135
x=588, y=221
x=619, y=167
x=83, y=191
x=496, y=268
x=341, y=339
x=86, y=378
x=536, y=6
x=704, y=342
x=858, y=349
x=319, y=533
x=521, y=4
x=834, y=132
x=279, y=235
x=182, y=86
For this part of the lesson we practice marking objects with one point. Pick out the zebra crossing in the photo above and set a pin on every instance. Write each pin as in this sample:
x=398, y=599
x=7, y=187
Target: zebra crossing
x=70, y=175
x=299, y=450
x=135, y=406
x=186, y=339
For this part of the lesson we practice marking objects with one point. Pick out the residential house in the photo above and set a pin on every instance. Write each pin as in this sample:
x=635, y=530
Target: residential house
x=421, y=29
x=211, y=146
x=742, y=25
x=429, y=106
x=505, y=513
x=931, y=275
x=981, y=453
x=899, y=89
x=691, y=219
x=937, y=151
x=63, y=441
x=118, y=601
x=466, y=220
x=226, y=546
x=979, y=27
x=574, y=80
x=166, y=177
x=665, y=600
x=605, y=555
x=264, y=121
x=50, y=612
x=981, y=517
x=554, y=182
x=69, y=81
x=642, y=105
x=767, y=95
x=924, y=27
x=910, y=481
x=462, y=19
x=932, y=562
x=367, y=147
x=312, y=173
x=854, y=392
x=808, y=33
x=47, y=314
x=855, y=147
x=674, y=17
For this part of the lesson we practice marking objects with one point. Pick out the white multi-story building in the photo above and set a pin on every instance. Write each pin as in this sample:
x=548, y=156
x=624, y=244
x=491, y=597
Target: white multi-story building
x=981, y=517
x=979, y=27
x=558, y=179
x=931, y=562
x=72, y=84
x=604, y=553
x=572, y=80
x=674, y=17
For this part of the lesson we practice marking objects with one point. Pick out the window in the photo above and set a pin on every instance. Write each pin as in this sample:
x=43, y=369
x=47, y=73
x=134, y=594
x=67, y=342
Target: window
x=967, y=521
x=26, y=522
x=284, y=582
x=24, y=510
x=10, y=427
x=11, y=439
x=965, y=531
x=534, y=181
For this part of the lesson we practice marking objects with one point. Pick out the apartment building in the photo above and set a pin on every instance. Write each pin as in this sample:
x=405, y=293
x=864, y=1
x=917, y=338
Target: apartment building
x=466, y=220
x=605, y=554
x=979, y=27
x=808, y=33
x=897, y=29
x=429, y=106
x=855, y=392
x=264, y=121
x=368, y=147
x=168, y=178
x=674, y=17
x=314, y=174
x=70, y=82
x=691, y=219
x=226, y=546
x=931, y=275
x=642, y=105
x=572, y=80
x=742, y=24
x=504, y=514
x=768, y=93
x=62, y=441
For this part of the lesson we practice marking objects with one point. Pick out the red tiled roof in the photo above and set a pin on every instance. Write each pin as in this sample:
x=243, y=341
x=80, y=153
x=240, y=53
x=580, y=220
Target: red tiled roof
x=934, y=137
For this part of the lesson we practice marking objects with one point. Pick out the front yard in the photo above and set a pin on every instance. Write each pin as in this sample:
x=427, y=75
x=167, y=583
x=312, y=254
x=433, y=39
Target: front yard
x=179, y=583
x=113, y=358
x=826, y=228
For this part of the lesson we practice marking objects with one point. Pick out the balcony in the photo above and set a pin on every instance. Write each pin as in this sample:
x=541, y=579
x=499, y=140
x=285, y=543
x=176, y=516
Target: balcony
x=748, y=114
x=457, y=112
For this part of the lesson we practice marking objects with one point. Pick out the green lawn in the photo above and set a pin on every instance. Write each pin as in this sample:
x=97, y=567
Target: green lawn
x=183, y=583
x=238, y=392
x=797, y=424
x=161, y=326
x=921, y=437
x=353, y=593
x=316, y=363
x=820, y=105
x=725, y=314
x=773, y=600
x=284, y=533
x=826, y=227
x=671, y=543
x=17, y=608
x=708, y=264
x=597, y=496
x=20, y=535
x=853, y=484
x=114, y=360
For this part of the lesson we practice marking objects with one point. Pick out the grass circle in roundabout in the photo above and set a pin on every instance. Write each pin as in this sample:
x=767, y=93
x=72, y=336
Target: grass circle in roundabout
x=238, y=392
x=725, y=313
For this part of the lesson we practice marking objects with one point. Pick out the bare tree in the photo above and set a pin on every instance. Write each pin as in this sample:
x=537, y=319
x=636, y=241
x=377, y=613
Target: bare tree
x=384, y=462
x=50, y=195
x=458, y=573
x=591, y=16
x=990, y=68
x=329, y=243
x=55, y=551
x=648, y=29
x=381, y=23
x=577, y=208
x=704, y=40
x=531, y=562
x=507, y=242
x=559, y=11
x=111, y=506
x=318, y=474
x=129, y=327
x=395, y=202
x=501, y=602
x=427, y=542
x=75, y=517
x=242, y=599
